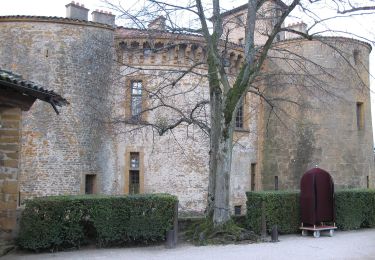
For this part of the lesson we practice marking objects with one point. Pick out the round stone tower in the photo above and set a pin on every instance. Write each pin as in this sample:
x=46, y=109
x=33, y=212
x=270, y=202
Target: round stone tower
x=59, y=153
x=321, y=93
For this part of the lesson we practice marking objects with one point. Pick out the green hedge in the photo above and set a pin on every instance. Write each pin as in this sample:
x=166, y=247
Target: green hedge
x=281, y=208
x=354, y=209
x=66, y=221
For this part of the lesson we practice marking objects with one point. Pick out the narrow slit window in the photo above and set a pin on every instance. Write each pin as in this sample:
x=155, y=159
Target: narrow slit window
x=253, y=165
x=360, y=115
x=90, y=183
x=237, y=210
x=134, y=174
x=239, y=116
x=276, y=182
x=133, y=182
x=136, y=99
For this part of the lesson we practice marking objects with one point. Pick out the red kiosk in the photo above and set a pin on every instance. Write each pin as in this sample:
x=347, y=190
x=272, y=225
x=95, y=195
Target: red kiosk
x=317, y=202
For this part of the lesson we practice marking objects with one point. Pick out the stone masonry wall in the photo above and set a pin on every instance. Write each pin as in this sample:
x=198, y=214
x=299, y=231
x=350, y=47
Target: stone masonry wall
x=176, y=162
x=316, y=124
x=74, y=59
x=10, y=119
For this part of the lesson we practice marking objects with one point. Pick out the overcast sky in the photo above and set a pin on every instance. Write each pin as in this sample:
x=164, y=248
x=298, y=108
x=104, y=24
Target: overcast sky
x=359, y=25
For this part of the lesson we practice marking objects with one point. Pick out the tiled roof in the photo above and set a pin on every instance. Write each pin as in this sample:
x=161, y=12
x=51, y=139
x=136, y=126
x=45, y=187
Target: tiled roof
x=17, y=83
x=54, y=19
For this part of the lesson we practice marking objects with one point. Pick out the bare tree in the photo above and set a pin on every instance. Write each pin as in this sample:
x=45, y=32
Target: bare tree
x=215, y=115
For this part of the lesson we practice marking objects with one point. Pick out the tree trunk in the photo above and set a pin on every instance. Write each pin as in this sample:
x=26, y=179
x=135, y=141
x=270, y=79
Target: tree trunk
x=223, y=168
x=215, y=106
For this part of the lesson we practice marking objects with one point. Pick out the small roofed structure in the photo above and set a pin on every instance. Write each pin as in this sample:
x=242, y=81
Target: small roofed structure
x=18, y=92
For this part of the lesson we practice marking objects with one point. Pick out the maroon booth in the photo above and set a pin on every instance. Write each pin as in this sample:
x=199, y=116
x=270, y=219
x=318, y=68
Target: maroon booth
x=316, y=201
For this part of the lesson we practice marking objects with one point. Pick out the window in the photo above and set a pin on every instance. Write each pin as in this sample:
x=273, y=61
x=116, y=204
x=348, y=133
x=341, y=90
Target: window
x=237, y=210
x=239, y=19
x=239, y=116
x=134, y=173
x=360, y=115
x=136, y=99
x=253, y=165
x=90, y=184
x=276, y=182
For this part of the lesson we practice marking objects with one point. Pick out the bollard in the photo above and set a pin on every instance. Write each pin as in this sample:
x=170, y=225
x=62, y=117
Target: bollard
x=274, y=234
x=172, y=234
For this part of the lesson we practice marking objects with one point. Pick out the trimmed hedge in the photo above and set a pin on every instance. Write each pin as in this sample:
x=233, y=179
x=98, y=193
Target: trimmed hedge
x=281, y=208
x=67, y=221
x=355, y=208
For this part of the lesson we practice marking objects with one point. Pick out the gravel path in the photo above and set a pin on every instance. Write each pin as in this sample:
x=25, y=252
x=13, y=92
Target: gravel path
x=343, y=245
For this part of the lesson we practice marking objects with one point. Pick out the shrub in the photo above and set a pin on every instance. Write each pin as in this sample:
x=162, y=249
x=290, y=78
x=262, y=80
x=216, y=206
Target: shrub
x=65, y=221
x=281, y=208
x=355, y=208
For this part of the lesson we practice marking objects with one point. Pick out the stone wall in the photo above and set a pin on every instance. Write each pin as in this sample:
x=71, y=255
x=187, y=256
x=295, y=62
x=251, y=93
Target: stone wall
x=74, y=59
x=315, y=119
x=176, y=162
x=235, y=23
x=10, y=119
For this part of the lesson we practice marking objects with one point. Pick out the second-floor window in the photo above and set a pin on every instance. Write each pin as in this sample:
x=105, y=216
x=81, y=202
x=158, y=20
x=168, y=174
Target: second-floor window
x=136, y=98
x=239, y=116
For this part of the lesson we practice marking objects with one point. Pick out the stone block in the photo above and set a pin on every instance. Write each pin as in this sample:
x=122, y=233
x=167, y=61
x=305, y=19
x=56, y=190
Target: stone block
x=10, y=187
x=9, y=163
x=9, y=139
x=10, y=124
x=14, y=117
x=9, y=133
x=10, y=111
x=9, y=147
x=14, y=156
x=8, y=223
x=8, y=205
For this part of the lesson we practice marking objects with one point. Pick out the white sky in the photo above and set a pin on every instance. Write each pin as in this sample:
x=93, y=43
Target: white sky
x=358, y=24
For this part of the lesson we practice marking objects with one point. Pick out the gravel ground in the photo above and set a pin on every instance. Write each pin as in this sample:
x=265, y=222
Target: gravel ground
x=343, y=245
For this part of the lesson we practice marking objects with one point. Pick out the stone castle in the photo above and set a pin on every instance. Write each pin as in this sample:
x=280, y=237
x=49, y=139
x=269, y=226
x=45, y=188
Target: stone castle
x=116, y=79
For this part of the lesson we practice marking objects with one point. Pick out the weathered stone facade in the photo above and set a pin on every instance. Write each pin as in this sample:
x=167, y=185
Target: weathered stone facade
x=93, y=65
x=326, y=114
x=75, y=59
x=10, y=119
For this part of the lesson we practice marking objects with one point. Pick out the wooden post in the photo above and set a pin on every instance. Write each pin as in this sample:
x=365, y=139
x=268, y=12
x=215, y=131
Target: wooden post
x=172, y=234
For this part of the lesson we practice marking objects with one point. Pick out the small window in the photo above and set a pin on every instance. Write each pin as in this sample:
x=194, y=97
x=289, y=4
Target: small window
x=90, y=183
x=136, y=99
x=237, y=210
x=134, y=161
x=239, y=116
x=360, y=116
x=133, y=182
x=134, y=173
x=253, y=165
x=356, y=56
x=276, y=182
x=240, y=20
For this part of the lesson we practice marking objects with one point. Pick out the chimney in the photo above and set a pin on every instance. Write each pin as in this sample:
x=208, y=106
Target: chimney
x=157, y=24
x=76, y=11
x=103, y=17
x=299, y=27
